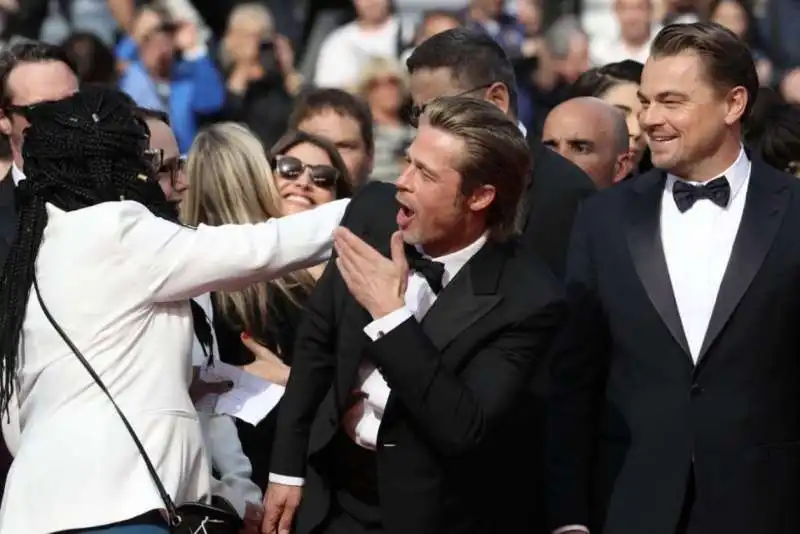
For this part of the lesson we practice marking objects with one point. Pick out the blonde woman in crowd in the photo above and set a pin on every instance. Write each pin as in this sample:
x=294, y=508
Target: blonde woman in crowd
x=231, y=178
x=384, y=86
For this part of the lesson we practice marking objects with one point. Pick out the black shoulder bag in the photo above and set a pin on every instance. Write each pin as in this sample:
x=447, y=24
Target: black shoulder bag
x=188, y=518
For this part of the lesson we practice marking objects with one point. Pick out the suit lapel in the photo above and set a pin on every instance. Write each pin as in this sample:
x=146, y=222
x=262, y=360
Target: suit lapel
x=767, y=198
x=467, y=298
x=647, y=251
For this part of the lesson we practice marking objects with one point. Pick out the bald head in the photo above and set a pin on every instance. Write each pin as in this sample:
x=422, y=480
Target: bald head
x=593, y=135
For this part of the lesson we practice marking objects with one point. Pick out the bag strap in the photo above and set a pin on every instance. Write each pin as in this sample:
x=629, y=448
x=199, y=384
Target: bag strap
x=172, y=512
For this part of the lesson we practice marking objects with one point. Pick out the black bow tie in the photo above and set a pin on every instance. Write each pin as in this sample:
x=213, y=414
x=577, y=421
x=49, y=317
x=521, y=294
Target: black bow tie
x=433, y=271
x=717, y=191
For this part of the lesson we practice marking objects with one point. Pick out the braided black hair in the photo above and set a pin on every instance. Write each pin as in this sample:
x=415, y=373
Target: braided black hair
x=84, y=150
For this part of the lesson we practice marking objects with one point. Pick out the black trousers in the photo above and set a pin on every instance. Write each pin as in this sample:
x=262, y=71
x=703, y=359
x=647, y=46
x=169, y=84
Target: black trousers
x=355, y=506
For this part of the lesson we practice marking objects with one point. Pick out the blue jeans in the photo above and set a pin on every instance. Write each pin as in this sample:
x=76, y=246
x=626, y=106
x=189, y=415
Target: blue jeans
x=144, y=525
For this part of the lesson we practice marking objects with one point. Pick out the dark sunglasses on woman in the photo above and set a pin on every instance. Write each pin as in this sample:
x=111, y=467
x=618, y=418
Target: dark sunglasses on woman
x=291, y=168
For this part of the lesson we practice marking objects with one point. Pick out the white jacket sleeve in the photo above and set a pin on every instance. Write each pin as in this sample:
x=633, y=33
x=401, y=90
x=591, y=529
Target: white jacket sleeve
x=178, y=262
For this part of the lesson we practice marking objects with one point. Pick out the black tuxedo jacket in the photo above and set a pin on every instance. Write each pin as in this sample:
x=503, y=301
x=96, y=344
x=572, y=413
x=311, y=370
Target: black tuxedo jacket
x=555, y=191
x=8, y=216
x=632, y=415
x=454, y=378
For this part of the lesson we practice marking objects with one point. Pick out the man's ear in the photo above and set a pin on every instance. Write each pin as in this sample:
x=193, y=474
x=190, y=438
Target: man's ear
x=481, y=197
x=5, y=124
x=498, y=94
x=623, y=167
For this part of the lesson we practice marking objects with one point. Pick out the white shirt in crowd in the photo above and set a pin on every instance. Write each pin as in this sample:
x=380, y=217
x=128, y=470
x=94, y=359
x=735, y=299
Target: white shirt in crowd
x=117, y=279
x=347, y=50
x=604, y=51
x=419, y=298
x=697, y=246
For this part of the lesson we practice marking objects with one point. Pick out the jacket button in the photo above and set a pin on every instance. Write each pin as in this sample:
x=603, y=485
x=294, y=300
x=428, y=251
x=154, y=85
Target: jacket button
x=695, y=390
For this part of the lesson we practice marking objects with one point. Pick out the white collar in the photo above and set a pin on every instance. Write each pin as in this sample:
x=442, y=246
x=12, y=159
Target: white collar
x=522, y=129
x=454, y=261
x=16, y=174
x=737, y=175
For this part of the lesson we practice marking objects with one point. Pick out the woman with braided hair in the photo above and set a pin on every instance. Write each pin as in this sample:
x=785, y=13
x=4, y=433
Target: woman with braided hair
x=115, y=271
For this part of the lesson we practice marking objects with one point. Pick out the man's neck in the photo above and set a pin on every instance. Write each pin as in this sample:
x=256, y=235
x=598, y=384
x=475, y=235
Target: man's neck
x=712, y=167
x=372, y=25
x=452, y=244
x=636, y=43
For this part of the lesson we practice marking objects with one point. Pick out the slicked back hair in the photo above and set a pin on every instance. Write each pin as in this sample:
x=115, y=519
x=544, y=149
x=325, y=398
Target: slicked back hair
x=473, y=58
x=496, y=153
x=28, y=52
x=727, y=59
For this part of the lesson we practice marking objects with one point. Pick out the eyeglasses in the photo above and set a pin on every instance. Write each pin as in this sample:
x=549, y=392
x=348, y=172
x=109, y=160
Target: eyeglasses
x=291, y=168
x=173, y=166
x=417, y=111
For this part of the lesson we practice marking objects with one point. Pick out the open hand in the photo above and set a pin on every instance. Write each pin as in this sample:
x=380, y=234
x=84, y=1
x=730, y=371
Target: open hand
x=267, y=364
x=378, y=283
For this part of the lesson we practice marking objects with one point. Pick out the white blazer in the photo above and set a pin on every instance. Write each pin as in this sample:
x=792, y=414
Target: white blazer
x=117, y=279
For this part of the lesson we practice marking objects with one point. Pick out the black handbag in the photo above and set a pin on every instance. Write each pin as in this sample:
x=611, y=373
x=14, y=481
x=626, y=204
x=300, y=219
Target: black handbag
x=188, y=518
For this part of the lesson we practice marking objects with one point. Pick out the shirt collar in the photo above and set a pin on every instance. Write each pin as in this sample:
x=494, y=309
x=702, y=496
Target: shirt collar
x=737, y=175
x=522, y=129
x=17, y=174
x=454, y=261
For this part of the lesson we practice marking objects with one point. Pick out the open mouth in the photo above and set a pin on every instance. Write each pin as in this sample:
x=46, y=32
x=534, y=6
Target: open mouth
x=404, y=216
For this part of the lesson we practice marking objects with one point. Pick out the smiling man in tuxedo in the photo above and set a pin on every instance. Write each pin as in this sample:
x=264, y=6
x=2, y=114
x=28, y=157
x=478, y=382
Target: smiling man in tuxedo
x=437, y=327
x=676, y=393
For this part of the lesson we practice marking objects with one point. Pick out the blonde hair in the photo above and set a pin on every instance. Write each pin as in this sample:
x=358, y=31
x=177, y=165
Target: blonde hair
x=378, y=67
x=231, y=182
x=248, y=13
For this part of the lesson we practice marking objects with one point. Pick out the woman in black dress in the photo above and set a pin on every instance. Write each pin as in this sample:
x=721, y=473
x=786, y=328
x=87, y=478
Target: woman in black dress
x=231, y=179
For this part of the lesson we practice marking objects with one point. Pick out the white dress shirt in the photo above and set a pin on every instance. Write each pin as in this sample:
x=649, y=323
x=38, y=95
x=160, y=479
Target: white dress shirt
x=697, y=246
x=16, y=174
x=419, y=298
x=117, y=279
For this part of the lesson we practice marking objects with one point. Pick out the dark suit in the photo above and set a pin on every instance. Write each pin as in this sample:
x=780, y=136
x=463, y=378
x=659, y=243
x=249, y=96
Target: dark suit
x=454, y=377
x=636, y=426
x=555, y=191
x=8, y=227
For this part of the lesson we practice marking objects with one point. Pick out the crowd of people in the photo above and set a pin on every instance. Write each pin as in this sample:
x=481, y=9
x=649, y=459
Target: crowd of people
x=518, y=269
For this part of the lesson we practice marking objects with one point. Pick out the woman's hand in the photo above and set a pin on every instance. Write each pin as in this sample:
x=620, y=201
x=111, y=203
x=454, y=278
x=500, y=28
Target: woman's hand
x=267, y=364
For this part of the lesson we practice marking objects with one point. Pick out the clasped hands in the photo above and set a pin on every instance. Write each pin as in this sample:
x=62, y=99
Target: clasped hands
x=378, y=283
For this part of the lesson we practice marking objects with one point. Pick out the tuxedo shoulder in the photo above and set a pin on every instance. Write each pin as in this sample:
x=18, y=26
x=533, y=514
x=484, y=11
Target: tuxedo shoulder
x=372, y=198
x=525, y=269
x=373, y=192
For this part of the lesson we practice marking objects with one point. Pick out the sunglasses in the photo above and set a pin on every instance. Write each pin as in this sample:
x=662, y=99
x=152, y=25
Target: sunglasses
x=173, y=167
x=417, y=111
x=291, y=168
